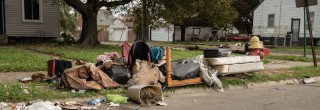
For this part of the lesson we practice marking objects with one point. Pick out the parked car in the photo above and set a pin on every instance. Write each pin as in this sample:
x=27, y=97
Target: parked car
x=236, y=37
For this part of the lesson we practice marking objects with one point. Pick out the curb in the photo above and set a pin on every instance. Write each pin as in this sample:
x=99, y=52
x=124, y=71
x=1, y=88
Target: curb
x=273, y=83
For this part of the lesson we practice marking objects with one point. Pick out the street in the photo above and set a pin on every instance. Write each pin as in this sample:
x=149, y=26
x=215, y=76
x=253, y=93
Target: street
x=279, y=97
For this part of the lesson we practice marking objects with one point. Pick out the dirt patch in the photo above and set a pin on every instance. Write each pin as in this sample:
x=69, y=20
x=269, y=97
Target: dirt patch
x=276, y=71
x=14, y=76
x=278, y=64
x=149, y=96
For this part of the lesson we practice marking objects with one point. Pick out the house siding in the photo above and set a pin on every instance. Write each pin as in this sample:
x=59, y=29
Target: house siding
x=204, y=31
x=284, y=11
x=162, y=34
x=15, y=27
x=118, y=31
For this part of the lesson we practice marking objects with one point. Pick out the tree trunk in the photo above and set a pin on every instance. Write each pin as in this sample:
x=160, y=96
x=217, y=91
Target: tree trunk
x=174, y=34
x=89, y=30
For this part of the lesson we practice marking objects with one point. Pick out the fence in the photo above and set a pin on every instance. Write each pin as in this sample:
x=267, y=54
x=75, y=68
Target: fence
x=102, y=36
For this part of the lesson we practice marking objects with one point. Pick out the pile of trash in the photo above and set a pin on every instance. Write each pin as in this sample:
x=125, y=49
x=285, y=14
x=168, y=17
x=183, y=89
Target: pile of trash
x=93, y=104
x=140, y=69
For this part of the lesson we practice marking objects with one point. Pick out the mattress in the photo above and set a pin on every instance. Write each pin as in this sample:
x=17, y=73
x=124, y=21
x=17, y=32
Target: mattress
x=239, y=68
x=232, y=60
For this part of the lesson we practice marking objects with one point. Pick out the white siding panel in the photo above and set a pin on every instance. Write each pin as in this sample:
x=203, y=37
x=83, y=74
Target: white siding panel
x=282, y=18
x=15, y=27
x=120, y=34
x=162, y=34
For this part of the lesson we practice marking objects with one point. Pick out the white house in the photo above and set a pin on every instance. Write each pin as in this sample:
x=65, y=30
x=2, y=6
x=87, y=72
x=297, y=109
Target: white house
x=162, y=34
x=121, y=30
x=274, y=18
x=29, y=19
x=104, y=19
x=191, y=32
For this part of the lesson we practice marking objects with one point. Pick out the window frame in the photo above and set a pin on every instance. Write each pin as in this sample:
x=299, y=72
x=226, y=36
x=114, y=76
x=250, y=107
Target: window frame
x=40, y=13
x=274, y=16
x=311, y=20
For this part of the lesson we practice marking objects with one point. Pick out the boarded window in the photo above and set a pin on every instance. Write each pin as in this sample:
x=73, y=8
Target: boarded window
x=32, y=9
x=311, y=20
x=271, y=20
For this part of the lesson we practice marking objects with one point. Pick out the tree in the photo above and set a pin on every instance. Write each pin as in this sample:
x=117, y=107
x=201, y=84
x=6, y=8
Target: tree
x=215, y=13
x=89, y=11
x=244, y=22
x=67, y=19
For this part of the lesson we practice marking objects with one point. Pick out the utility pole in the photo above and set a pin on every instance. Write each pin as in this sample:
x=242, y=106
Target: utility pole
x=305, y=34
x=310, y=34
x=144, y=20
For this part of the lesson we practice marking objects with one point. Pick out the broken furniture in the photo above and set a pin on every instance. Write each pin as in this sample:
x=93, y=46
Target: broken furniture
x=172, y=83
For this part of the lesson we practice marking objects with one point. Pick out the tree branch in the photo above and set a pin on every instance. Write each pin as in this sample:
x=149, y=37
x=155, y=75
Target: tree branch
x=113, y=3
x=77, y=4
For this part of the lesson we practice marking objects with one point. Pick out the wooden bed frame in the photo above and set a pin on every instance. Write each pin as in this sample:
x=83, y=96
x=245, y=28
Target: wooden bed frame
x=174, y=83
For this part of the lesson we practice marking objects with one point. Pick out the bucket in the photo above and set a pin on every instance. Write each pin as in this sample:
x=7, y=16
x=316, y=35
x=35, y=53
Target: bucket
x=134, y=92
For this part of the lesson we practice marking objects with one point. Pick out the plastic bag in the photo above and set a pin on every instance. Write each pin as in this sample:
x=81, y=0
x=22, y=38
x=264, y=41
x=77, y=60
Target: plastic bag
x=116, y=98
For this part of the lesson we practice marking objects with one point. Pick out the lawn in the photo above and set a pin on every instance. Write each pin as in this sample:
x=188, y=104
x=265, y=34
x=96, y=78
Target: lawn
x=295, y=50
x=291, y=58
x=12, y=59
x=72, y=51
x=14, y=92
x=90, y=54
x=23, y=58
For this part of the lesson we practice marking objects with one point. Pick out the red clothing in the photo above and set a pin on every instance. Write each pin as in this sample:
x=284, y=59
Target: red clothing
x=256, y=52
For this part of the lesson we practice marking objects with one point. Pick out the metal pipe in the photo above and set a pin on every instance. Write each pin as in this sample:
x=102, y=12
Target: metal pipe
x=304, y=36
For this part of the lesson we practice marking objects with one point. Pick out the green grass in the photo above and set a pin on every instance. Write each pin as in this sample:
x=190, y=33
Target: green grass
x=291, y=58
x=90, y=53
x=13, y=92
x=284, y=74
x=294, y=50
x=177, y=54
x=12, y=59
x=266, y=61
x=73, y=51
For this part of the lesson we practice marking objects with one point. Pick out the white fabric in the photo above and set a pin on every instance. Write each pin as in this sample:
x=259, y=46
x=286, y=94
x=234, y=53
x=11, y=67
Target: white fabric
x=43, y=106
x=208, y=74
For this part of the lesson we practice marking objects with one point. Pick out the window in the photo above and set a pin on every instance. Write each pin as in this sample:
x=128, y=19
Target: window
x=271, y=20
x=311, y=20
x=31, y=10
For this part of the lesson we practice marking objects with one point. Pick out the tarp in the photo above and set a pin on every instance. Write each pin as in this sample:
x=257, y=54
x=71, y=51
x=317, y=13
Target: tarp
x=87, y=76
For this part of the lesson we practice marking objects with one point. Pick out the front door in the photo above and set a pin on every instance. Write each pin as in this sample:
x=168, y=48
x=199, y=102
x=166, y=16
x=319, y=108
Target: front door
x=295, y=29
x=196, y=33
x=1, y=17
